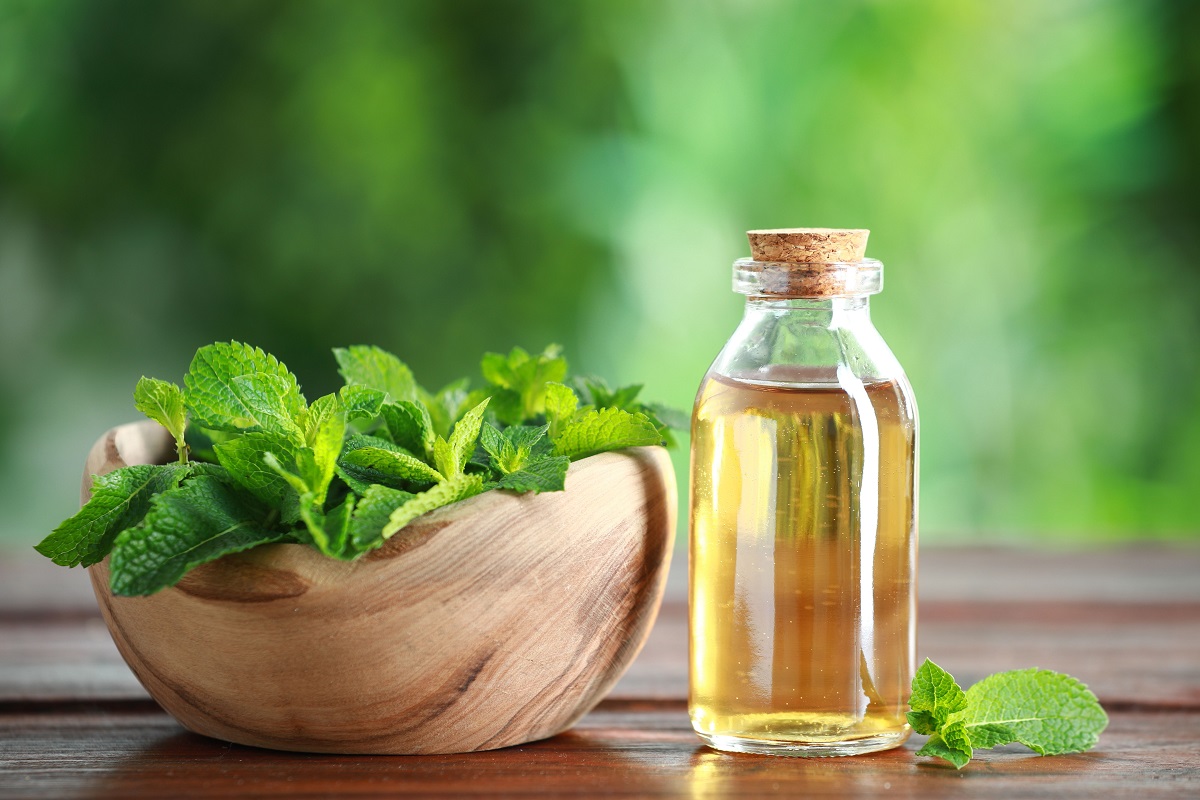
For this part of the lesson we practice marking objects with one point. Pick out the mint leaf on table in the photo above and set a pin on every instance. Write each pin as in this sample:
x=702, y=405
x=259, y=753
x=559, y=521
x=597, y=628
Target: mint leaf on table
x=1046, y=711
x=958, y=755
x=375, y=368
x=200, y=520
x=234, y=387
x=596, y=431
x=935, y=696
x=1049, y=712
x=162, y=402
x=120, y=499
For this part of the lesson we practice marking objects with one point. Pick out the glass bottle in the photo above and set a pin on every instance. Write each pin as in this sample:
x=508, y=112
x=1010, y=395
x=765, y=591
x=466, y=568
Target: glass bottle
x=803, y=529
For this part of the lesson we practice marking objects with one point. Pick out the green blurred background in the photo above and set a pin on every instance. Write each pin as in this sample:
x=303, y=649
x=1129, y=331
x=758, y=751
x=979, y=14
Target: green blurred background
x=444, y=178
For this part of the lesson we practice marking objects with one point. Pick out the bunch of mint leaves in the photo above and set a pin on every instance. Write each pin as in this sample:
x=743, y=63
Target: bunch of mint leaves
x=1048, y=712
x=258, y=464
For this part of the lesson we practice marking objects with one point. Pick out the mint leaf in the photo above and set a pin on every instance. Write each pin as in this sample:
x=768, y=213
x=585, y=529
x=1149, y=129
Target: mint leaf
x=501, y=450
x=212, y=470
x=520, y=381
x=290, y=473
x=324, y=428
x=1046, y=711
x=596, y=392
x=376, y=368
x=957, y=755
x=596, y=431
x=443, y=458
x=200, y=520
x=410, y=426
x=162, y=402
x=387, y=464
x=329, y=533
x=120, y=499
x=304, y=475
x=561, y=405
x=289, y=470
x=361, y=402
x=464, y=437
x=513, y=447
x=445, y=406
x=1049, y=712
x=506, y=407
x=372, y=513
x=244, y=459
x=357, y=485
x=449, y=491
x=667, y=416
x=235, y=387
x=935, y=696
x=545, y=475
x=265, y=397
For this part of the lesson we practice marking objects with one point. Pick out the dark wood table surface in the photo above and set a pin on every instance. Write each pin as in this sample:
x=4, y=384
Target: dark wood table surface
x=75, y=723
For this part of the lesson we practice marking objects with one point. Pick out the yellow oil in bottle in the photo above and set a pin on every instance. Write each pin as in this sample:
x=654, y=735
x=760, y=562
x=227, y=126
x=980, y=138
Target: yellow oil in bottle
x=802, y=561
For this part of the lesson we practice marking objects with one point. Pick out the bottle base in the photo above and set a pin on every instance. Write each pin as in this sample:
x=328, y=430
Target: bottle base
x=799, y=749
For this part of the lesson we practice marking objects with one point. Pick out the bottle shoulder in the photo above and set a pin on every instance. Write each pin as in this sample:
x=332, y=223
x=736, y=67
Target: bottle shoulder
x=797, y=351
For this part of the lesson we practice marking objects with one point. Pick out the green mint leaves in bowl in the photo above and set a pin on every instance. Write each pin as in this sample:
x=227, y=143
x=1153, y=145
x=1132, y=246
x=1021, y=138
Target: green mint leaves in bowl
x=258, y=464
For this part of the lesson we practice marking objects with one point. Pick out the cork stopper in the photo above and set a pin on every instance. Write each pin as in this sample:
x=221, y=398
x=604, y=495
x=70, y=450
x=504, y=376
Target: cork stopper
x=808, y=262
x=809, y=245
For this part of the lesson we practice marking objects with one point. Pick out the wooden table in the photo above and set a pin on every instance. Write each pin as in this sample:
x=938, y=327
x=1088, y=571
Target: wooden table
x=75, y=723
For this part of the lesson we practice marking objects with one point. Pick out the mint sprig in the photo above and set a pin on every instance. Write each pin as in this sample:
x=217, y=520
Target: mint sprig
x=1048, y=712
x=344, y=473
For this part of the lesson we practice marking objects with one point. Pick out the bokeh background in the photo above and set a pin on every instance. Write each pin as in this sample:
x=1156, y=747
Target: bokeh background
x=444, y=178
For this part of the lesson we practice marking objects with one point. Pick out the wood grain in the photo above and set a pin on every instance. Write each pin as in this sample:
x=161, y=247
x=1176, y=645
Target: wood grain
x=496, y=621
x=615, y=751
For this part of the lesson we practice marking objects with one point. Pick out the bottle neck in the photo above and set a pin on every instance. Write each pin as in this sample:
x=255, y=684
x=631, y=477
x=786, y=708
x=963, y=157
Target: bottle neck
x=828, y=312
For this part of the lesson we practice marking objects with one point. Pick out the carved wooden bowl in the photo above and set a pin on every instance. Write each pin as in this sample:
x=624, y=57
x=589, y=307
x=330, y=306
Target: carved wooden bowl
x=496, y=621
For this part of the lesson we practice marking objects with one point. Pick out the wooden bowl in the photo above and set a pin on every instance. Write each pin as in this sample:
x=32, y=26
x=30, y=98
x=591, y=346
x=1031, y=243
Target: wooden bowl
x=496, y=621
